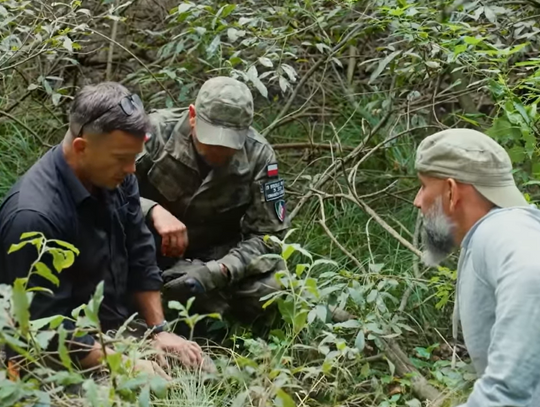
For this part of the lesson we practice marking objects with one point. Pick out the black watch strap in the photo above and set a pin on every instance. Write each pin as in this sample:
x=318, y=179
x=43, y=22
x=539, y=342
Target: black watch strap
x=162, y=327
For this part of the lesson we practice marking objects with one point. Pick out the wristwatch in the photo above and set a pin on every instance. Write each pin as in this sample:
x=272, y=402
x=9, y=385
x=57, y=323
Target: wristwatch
x=161, y=327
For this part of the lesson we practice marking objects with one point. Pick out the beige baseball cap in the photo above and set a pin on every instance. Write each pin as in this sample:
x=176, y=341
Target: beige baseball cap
x=224, y=112
x=471, y=157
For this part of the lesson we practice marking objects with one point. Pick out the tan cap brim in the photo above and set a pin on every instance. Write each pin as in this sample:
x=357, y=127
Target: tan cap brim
x=504, y=197
x=213, y=135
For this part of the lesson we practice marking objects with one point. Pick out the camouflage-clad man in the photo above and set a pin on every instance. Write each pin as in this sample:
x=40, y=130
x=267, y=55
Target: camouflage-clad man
x=210, y=189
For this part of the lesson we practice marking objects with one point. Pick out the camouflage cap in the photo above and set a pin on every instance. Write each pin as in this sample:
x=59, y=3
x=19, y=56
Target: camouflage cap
x=470, y=157
x=224, y=112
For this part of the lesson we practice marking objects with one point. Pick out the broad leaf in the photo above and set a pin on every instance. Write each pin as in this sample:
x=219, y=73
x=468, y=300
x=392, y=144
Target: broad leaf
x=266, y=62
x=360, y=341
x=382, y=65
x=283, y=399
x=45, y=272
x=21, y=305
x=62, y=349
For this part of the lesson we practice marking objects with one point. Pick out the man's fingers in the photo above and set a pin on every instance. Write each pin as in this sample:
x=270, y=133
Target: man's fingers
x=165, y=243
x=161, y=372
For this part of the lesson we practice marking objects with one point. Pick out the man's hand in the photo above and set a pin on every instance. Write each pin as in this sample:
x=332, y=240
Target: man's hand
x=151, y=368
x=174, y=238
x=189, y=353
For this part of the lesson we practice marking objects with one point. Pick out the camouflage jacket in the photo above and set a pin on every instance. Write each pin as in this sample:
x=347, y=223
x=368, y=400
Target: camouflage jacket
x=228, y=213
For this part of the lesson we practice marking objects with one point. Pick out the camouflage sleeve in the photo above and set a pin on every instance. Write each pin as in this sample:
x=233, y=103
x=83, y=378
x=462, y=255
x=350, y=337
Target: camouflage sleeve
x=162, y=123
x=265, y=216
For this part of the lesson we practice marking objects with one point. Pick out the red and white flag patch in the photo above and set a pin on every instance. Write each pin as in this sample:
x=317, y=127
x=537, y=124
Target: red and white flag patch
x=272, y=170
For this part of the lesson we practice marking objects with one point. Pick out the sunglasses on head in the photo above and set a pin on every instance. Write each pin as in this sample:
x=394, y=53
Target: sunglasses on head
x=128, y=104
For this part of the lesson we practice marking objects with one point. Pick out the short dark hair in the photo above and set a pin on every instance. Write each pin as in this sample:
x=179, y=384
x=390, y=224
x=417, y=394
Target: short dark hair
x=92, y=100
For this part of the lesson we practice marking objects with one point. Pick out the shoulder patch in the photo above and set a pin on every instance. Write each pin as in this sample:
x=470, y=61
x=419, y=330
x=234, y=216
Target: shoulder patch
x=274, y=190
x=272, y=170
x=280, y=209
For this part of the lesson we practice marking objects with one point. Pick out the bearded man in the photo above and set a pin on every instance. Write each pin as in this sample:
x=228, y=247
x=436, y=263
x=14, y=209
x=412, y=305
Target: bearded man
x=469, y=199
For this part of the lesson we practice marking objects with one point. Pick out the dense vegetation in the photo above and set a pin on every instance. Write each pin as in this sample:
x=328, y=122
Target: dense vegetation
x=344, y=91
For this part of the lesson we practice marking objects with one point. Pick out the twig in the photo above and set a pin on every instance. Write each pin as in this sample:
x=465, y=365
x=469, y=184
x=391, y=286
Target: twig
x=167, y=91
x=352, y=174
x=308, y=74
x=314, y=146
x=337, y=165
x=108, y=72
x=6, y=68
x=395, y=354
x=322, y=222
x=387, y=227
x=416, y=263
x=26, y=127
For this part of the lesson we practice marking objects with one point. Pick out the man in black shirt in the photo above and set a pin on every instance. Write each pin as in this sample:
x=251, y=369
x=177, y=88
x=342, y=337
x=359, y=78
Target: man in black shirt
x=83, y=192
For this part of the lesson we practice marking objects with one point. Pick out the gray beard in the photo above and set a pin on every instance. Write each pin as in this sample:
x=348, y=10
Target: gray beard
x=437, y=235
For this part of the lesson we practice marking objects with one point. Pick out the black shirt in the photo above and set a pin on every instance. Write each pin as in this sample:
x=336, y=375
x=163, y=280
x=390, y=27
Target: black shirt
x=107, y=228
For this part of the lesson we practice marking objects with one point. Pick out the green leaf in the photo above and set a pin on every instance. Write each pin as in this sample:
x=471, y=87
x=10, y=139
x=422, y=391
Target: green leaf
x=311, y=287
x=92, y=310
x=365, y=370
x=517, y=154
x=40, y=289
x=44, y=338
x=287, y=251
x=68, y=44
x=240, y=399
x=286, y=308
x=322, y=312
x=460, y=49
x=300, y=320
x=519, y=107
x=45, y=272
x=91, y=392
x=21, y=305
x=382, y=65
x=159, y=386
x=391, y=366
x=62, y=259
x=351, y=323
x=214, y=45
x=283, y=399
x=472, y=40
x=182, y=8
x=360, y=341
x=144, y=397
x=300, y=268
x=66, y=245
x=233, y=34
x=115, y=361
x=372, y=296
x=62, y=349
x=266, y=62
x=28, y=235
x=227, y=10
x=53, y=322
x=17, y=246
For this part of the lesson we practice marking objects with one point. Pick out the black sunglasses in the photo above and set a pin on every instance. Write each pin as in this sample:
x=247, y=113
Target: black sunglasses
x=128, y=104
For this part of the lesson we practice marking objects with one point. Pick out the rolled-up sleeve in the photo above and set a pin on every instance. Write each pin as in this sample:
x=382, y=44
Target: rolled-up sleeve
x=18, y=264
x=144, y=274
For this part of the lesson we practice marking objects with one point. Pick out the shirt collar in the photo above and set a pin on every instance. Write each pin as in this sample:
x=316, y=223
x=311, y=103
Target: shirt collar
x=73, y=184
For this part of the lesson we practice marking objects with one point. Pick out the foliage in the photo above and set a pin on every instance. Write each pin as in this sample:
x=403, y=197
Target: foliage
x=324, y=75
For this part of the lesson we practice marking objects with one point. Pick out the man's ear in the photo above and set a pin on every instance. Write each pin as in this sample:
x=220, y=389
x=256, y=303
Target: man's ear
x=453, y=194
x=79, y=145
x=192, y=116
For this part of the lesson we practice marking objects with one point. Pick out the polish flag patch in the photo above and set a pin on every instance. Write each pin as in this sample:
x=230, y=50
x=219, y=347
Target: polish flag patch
x=272, y=170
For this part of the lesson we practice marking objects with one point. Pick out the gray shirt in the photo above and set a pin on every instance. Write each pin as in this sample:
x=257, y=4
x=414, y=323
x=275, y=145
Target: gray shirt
x=499, y=307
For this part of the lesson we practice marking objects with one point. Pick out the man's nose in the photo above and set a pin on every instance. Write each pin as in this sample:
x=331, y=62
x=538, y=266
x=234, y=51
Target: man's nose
x=418, y=199
x=130, y=168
